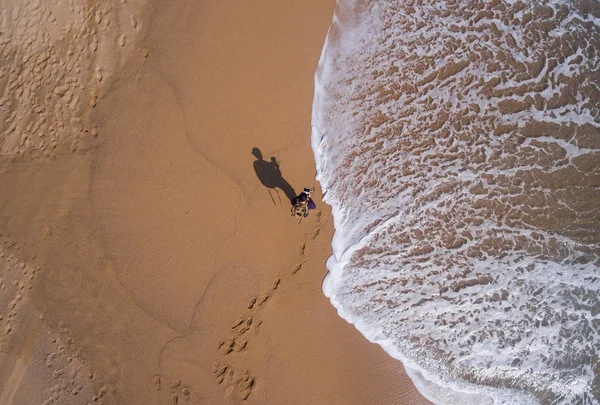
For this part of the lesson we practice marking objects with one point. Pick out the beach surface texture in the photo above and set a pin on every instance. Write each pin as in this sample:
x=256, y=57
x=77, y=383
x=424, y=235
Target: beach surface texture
x=148, y=154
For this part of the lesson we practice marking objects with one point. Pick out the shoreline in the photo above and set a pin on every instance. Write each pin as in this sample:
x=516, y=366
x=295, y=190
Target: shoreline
x=153, y=242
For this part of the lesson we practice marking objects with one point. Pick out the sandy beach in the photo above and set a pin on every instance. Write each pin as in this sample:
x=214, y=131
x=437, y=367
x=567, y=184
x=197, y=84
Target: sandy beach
x=147, y=254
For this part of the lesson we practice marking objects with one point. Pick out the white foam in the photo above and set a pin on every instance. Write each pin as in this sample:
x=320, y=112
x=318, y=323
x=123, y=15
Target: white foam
x=466, y=318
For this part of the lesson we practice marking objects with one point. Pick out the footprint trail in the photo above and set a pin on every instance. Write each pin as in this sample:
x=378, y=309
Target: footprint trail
x=226, y=370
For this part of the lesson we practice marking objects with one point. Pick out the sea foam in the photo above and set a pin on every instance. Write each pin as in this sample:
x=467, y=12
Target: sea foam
x=458, y=144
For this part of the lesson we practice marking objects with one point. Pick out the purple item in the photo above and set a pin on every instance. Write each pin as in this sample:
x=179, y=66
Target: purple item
x=301, y=199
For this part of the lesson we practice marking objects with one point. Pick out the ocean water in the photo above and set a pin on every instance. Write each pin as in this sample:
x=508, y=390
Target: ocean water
x=458, y=143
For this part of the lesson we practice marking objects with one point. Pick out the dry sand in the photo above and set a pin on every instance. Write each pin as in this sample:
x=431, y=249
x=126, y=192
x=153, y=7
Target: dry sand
x=141, y=259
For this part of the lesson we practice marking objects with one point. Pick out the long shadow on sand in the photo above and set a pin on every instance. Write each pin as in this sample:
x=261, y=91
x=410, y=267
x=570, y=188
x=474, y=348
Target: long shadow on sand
x=270, y=176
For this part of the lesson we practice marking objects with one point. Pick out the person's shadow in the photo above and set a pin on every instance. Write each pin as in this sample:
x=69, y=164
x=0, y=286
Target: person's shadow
x=270, y=176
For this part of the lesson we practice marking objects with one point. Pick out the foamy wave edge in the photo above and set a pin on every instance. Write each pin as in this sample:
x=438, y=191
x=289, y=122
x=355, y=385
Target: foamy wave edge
x=431, y=386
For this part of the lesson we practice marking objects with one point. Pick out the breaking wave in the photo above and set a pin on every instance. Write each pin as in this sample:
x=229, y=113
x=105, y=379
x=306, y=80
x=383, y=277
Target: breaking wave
x=458, y=143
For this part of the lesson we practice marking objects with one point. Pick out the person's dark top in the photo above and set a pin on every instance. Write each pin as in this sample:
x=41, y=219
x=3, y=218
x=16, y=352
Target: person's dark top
x=302, y=199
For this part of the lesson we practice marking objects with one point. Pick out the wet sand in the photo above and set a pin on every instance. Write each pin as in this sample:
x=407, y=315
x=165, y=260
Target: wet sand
x=149, y=263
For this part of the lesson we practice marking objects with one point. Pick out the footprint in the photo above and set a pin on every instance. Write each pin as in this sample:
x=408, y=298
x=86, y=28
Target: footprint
x=263, y=300
x=220, y=344
x=237, y=323
x=229, y=392
x=318, y=215
x=302, y=248
x=298, y=267
x=174, y=399
x=243, y=330
x=102, y=391
x=50, y=359
x=241, y=346
x=157, y=383
x=229, y=346
x=221, y=371
x=94, y=44
x=276, y=283
x=73, y=372
x=315, y=233
x=247, y=388
x=252, y=302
